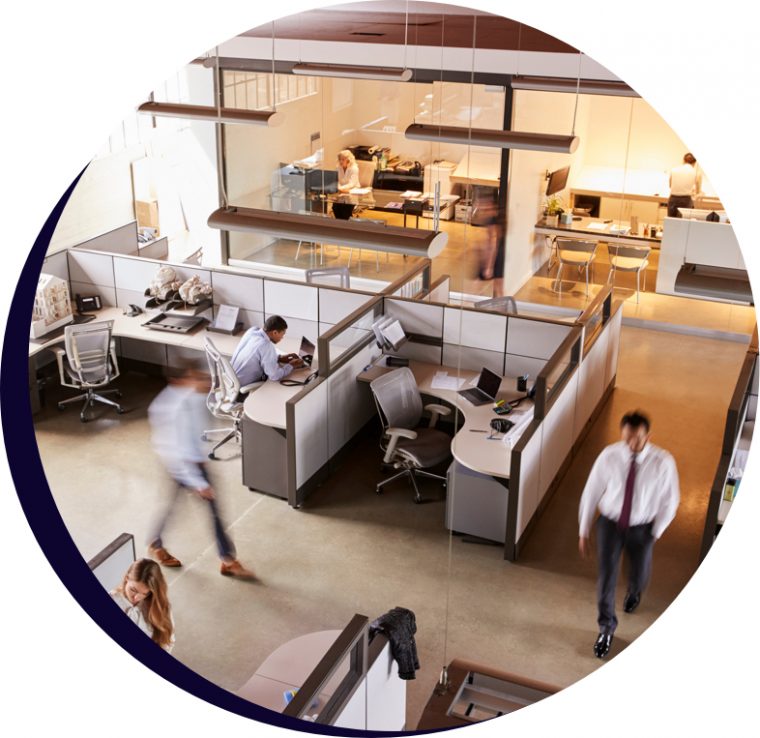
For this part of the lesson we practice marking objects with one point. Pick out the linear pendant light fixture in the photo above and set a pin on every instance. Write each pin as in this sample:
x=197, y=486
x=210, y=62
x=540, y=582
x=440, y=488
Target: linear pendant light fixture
x=487, y=137
x=585, y=87
x=353, y=72
x=304, y=227
x=269, y=118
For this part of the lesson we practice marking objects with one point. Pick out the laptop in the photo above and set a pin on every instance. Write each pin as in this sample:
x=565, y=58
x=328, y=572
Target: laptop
x=486, y=389
x=306, y=352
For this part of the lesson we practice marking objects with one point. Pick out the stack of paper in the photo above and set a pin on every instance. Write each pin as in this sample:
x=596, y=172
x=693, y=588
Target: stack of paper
x=442, y=380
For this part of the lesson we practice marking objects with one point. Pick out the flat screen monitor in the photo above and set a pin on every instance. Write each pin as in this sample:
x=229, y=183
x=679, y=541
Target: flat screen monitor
x=557, y=181
x=322, y=180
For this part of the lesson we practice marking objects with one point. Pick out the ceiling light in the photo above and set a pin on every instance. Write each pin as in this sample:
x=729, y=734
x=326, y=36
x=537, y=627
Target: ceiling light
x=486, y=137
x=586, y=86
x=357, y=232
x=215, y=115
x=353, y=72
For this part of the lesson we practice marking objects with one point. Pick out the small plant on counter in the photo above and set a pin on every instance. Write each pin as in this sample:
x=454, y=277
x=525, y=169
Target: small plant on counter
x=553, y=205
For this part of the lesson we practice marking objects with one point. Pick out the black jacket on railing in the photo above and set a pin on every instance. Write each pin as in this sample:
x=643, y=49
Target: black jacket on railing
x=399, y=626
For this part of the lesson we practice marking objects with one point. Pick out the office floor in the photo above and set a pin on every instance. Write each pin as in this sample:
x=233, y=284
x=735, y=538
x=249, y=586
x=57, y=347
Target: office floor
x=351, y=551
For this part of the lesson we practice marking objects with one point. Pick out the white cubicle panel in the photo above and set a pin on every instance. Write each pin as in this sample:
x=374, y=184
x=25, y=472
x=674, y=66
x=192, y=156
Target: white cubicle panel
x=420, y=352
x=107, y=294
x=135, y=274
x=244, y=292
x=530, y=477
x=475, y=329
x=558, y=434
x=121, y=240
x=349, y=404
x=291, y=300
x=158, y=249
x=614, y=327
x=298, y=327
x=534, y=338
x=354, y=714
x=310, y=428
x=386, y=694
x=472, y=358
x=516, y=366
x=57, y=265
x=416, y=317
x=335, y=305
x=87, y=268
x=591, y=382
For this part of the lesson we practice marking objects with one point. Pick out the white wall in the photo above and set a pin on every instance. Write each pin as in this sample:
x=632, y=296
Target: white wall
x=543, y=112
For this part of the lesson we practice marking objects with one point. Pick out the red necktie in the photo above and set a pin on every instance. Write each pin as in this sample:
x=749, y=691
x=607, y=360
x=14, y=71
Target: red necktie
x=625, y=513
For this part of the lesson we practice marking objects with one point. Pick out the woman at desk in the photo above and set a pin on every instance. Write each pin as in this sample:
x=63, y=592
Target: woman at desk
x=348, y=171
x=143, y=598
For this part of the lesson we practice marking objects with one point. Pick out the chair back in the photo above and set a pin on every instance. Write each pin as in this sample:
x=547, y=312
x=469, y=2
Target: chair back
x=88, y=353
x=577, y=246
x=398, y=399
x=629, y=252
x=339, y=276
x=506, y=305
x=225, y=385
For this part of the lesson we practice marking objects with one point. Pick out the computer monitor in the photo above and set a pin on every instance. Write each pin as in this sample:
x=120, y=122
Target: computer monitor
x=557, y=181
x=322, y=180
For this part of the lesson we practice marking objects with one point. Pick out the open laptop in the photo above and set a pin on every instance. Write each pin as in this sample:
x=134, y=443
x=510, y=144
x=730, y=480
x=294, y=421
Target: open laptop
x=306, y=352
x=485, y=390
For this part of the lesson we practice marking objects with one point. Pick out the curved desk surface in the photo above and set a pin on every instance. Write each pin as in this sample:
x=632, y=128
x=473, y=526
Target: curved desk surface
x=470, y=446
x=288, y=667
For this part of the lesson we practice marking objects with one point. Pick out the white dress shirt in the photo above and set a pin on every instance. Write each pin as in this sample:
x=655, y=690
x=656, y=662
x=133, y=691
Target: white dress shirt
x=348, y=178
x=255, y=359
x=655, y=490
x=683, y=180
x=134, y=613
x=177, y=417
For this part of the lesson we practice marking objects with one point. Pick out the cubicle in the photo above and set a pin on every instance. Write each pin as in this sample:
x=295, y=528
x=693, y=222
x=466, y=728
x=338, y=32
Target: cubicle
x=737, y=437
x=110, y=565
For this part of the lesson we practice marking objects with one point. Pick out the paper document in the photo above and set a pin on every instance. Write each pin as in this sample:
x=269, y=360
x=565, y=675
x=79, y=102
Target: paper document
x=227, y=317
x=410, y=193
x=393, y=333
x=442, y=380
x=596, y=226
x=360, y=191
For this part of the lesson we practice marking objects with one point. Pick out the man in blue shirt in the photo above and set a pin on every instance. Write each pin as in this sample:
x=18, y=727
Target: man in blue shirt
x=256, y=358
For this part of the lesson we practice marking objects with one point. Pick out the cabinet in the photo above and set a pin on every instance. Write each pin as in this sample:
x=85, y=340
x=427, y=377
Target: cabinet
x=616, y=208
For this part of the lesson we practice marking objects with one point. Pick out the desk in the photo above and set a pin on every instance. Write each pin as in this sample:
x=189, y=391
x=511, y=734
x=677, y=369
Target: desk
x=579, y=229
x=482, y=468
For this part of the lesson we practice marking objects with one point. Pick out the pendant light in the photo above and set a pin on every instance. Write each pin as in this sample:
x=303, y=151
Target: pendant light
x=395, y=74
x=585, y=87
x=313, y=227
x=269, y=118
x=488, y=137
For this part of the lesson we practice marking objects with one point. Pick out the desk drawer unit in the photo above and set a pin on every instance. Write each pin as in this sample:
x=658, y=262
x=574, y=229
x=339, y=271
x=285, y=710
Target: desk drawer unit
x=476, y=503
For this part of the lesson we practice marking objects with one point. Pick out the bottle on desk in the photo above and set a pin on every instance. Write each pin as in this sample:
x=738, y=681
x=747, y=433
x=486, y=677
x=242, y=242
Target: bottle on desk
x=634, y=225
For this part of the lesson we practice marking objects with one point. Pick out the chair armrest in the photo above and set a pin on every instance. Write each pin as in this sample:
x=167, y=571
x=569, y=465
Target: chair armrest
x=246, y=389
x=436, y=411
x=59, y=354
x=395, y=434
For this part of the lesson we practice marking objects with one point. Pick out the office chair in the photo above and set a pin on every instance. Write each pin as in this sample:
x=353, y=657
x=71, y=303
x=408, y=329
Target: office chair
x=574, y=253
x=222, y=399
x=506, y=305
x=328, y=275
x=405, y=446
x=629, y=259
x=91, y=363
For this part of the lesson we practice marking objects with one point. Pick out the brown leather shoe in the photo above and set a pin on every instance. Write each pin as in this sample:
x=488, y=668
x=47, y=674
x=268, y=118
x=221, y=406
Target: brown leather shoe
x=163, y=557
x=235, y=569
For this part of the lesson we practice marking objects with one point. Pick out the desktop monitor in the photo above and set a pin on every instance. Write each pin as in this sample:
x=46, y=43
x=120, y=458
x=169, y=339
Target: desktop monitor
x=557, y=181
x=322, y=180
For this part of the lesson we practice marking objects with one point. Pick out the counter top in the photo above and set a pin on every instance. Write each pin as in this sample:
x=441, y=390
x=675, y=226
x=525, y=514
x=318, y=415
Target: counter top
x=583, y=227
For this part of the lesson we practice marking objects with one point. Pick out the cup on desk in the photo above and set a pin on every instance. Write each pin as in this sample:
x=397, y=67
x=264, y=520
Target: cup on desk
x=522, y=383
x=652, y=231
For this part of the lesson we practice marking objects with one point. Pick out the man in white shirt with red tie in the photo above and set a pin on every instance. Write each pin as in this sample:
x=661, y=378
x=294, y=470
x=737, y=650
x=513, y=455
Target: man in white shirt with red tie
x=634, y=485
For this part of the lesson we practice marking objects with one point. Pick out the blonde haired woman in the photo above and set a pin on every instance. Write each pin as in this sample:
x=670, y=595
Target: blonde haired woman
x=348, y=171
x=143, y=597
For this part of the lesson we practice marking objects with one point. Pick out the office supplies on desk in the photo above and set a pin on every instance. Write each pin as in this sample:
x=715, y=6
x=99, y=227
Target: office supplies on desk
x=396, y=361
x=485, y=390
x=596, y=226
x=133, y=310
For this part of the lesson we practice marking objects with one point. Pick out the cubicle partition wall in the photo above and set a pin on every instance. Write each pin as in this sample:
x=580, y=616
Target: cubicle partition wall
x=570, y=390
x=737, y=437
x=440, y=291
x=110, y=565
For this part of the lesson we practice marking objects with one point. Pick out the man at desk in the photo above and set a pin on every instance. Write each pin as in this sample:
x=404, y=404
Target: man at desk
x=256, y=358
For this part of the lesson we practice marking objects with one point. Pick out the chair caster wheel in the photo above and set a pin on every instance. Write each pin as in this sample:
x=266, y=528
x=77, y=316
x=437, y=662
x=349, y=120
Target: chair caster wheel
x=417, y=500
x=83, y=418
x=378, y=491
x=118, y=393
x=61, y=407
x=120, y=410
x=212, y=456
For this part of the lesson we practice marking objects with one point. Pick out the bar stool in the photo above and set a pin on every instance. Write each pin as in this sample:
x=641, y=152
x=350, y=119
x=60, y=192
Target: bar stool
x=629, y=259
x=574, y=253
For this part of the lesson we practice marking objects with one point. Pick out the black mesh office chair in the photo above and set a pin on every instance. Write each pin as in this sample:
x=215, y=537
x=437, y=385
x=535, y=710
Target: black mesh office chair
x=405, y=445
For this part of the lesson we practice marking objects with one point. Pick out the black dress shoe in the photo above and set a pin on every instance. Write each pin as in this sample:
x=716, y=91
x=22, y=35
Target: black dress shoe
x=602, y=645
x=631, y=601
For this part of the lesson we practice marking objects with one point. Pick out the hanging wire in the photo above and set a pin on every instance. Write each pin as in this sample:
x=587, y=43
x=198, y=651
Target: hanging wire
x=406, y=32
x=625, y=163
x=274, y=88
x=577, y=91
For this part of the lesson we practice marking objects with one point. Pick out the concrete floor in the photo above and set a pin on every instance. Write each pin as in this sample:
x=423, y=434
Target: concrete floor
x=350, y=551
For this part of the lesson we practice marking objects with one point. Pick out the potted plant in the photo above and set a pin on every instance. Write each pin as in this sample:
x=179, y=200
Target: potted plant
x=552, y=210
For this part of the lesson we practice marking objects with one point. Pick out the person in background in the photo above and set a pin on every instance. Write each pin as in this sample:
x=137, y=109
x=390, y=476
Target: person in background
x=177, y=416
x=685, y=184
x=491, y=257
x=143, y=598
x=256, y=358
x=348, y=171
x=634, y=484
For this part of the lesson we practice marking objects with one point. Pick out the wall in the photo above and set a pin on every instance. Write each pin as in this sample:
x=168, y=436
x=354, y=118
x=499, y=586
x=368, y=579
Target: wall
x=182, y=166
x=543, y=112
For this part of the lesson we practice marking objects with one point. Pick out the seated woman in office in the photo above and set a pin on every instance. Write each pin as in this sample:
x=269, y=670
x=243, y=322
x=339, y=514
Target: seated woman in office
x=348, y=171
x=143, y=597
x=256, y=358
